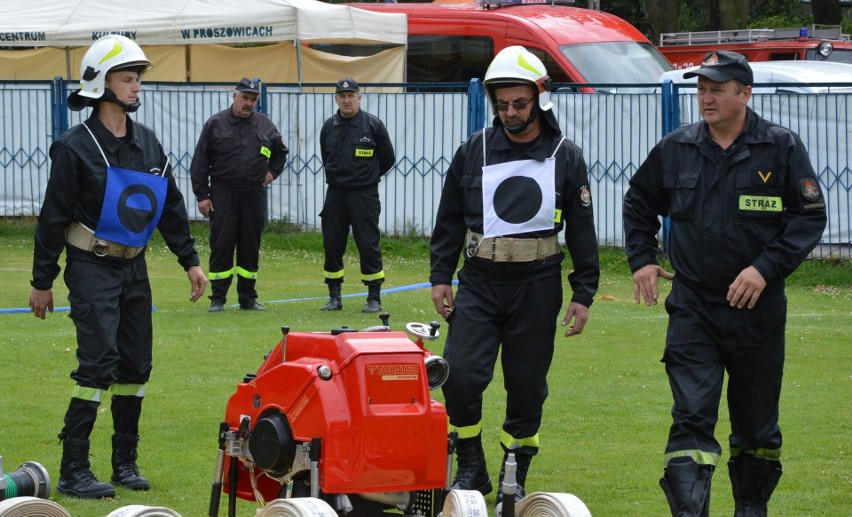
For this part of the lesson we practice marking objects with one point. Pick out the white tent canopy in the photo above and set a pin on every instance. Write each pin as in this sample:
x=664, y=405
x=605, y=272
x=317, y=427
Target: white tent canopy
x=73, y=23
x=164, y=28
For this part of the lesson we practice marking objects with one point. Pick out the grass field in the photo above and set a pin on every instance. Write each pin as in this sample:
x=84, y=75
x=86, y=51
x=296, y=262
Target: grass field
x=606, y=419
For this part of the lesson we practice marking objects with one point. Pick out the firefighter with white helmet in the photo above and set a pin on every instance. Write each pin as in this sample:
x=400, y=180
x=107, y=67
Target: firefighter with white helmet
x=508, y=193
x=110, y=186
x=518, y=65
x=108, y=54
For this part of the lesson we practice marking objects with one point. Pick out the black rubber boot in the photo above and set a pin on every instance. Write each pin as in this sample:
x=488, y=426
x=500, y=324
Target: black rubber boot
x=752, y=481
x=75, y=475
x=523, y=458
x=374, y=300
x=125, y=472
x=76, y=478
x=686, y=485
x=334, y=302
x=471, y=471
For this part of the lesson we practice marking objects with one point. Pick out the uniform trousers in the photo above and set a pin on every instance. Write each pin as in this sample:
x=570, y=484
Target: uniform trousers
x=706, y=338
x=522, y=317
x=360, y=210
x=236, y=223
x=111, y=309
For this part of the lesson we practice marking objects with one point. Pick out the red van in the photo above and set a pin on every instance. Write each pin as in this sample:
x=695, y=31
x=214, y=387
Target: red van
x=686, y=49
x=450, y=42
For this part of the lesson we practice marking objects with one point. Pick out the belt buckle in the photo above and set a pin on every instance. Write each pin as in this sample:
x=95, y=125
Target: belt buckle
x=100, y=248
x=473, y=244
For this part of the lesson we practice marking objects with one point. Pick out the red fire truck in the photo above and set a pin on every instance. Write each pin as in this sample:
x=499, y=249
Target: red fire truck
x=687, y=49
x=455, y=40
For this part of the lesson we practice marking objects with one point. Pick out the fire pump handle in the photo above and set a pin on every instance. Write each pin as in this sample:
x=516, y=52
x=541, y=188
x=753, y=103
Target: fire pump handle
x=429, y=332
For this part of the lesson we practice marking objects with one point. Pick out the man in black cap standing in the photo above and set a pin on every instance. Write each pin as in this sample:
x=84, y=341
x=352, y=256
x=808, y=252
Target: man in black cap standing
x=746, y=209
x=239, y=153
x=356, y=151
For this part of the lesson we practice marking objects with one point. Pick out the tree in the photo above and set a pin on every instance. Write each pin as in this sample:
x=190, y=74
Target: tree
x=662, y=16
x=826, y=12
x=732, y=14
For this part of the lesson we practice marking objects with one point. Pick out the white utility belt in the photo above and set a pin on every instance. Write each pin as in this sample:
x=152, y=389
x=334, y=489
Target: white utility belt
x=508, y=249
x=80, y=236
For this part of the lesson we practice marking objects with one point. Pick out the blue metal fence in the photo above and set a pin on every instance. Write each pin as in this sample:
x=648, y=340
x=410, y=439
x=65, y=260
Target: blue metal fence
x=427, y=123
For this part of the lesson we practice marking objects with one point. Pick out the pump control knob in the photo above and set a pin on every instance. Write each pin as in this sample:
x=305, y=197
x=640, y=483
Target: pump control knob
x=421, y=331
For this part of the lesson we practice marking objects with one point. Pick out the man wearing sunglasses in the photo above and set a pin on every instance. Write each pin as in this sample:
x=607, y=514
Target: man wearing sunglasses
x=508, y=193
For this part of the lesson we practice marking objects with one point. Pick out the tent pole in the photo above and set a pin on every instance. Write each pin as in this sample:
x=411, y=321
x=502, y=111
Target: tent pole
x=298, y=61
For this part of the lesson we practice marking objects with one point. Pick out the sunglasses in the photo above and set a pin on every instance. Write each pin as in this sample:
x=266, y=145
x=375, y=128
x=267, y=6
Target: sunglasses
x=518, y=105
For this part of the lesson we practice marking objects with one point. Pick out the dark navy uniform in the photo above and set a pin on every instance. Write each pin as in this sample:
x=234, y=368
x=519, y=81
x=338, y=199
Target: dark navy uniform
x=513, y=303
x=757, y=203
x=110, y=297
x=356, y=153
x=231, y=161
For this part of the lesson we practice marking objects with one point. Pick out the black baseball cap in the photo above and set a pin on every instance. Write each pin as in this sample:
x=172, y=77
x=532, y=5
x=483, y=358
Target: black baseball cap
x=722, y=66
x=249, y=85
x=347, y=85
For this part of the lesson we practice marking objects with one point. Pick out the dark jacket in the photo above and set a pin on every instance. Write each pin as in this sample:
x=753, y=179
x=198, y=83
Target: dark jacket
x=236, y=153
x=461, y=209
x=356, y=151
x=758, y=203
x=75, y=192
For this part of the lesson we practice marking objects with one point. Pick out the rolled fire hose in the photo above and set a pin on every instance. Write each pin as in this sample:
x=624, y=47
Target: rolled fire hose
x=137, y=510
x=297, y=507
x=549, y=504
x=31, y=507
x=464, y=503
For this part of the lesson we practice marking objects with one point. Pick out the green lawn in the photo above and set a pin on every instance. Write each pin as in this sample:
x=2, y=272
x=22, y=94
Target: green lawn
x=605, y=422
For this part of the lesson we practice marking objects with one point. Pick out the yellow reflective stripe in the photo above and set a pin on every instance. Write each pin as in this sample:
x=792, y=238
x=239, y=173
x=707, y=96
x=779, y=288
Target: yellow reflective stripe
x=220, y=275
x=88, y=394
x=761, y=203
x=557, y=217
x=375, y=276
x=766, y=454
x=470, y=431
x=510, y=442
x=265, y=151
x=523, y=63
x=128, y=390
x=700, y=457
x=245, y=273
x=333, y=274
x=116, y=50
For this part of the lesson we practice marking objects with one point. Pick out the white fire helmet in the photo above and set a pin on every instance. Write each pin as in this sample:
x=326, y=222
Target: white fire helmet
x=516, y=64
x=109, y=53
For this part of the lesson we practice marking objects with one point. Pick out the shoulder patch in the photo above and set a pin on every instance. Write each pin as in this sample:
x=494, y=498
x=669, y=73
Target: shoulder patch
x=585, y=196
x=809, y=189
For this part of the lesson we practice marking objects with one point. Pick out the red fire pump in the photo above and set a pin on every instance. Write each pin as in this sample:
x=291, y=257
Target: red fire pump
x=345, y=416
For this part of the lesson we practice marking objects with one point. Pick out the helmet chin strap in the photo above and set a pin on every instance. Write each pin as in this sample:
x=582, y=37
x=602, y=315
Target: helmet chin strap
x=520, y=128
x=109, y=96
